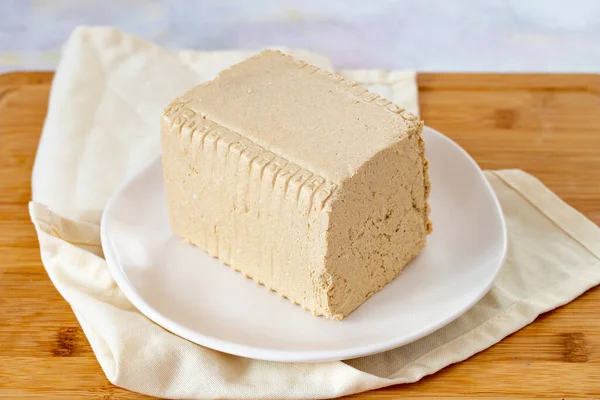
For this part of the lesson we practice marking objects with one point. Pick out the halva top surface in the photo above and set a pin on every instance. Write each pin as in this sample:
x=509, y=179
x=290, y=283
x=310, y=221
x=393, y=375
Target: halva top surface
x=308, y=116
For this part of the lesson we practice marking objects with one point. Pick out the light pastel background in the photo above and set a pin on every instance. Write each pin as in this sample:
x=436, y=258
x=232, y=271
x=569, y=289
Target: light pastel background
x=427, y=35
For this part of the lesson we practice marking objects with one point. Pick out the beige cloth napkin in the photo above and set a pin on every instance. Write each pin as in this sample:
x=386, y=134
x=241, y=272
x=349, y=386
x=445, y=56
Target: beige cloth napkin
x=102, y=124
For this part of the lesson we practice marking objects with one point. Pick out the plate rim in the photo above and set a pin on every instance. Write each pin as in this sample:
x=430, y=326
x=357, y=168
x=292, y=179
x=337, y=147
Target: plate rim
x=259, y=353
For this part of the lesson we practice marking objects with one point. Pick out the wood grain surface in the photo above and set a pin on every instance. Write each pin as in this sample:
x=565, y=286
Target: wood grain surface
x=548, y=125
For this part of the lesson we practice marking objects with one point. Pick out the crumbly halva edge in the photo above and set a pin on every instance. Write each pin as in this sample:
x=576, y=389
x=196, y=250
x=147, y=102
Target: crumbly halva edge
x=312, y=191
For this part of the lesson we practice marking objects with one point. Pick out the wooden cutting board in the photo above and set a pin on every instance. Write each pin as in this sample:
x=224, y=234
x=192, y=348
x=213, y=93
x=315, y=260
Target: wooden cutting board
x=548, y=125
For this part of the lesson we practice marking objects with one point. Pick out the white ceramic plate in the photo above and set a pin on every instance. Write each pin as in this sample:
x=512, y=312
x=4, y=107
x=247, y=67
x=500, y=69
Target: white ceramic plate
x=194, y=296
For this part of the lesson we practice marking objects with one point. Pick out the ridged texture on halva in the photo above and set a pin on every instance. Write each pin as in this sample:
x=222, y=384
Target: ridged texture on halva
x=305, y=182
